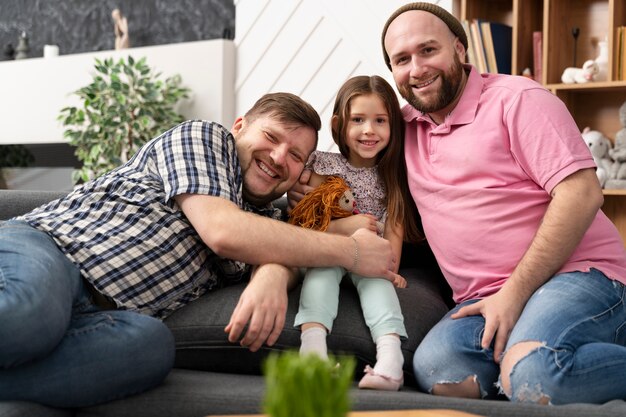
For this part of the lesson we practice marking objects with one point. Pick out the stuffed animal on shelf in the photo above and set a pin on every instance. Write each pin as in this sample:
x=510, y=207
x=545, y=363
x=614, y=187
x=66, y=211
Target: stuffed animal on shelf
x=330, y=200
x=617, y=175
x=599, y=145
x=581, y=75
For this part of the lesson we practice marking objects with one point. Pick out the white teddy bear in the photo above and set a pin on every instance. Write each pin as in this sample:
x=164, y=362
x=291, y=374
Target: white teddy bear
x=600, y=146
x=618, y=153
x=581, y=75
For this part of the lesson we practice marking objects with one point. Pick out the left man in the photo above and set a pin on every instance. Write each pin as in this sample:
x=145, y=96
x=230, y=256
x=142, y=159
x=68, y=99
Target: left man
x=85, y=279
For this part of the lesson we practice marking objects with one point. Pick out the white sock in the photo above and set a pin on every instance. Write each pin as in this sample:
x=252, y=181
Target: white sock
x=389, y=359
x=313, y=340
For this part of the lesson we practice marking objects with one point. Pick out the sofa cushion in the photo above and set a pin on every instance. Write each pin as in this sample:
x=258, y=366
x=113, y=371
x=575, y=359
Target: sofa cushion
x=188, y=393
x=16, y=202
x=202, y=344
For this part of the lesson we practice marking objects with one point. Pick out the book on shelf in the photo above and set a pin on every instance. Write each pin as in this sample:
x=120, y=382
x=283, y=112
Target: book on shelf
x=537, y=55
x=619, y=53
x=623, y=53
x=485, y=30
x=492, y=45
x=479, y=50
x=502, y=39
x=471, y=54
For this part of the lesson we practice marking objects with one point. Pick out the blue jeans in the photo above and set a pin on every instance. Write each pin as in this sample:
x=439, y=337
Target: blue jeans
x=56, y=347
x=579, y=319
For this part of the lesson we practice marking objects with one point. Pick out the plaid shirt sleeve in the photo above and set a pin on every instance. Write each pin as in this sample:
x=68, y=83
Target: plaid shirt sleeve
x=198, y=157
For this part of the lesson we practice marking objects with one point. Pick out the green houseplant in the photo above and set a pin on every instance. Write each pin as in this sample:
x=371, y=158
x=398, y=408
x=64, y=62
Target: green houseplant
x=125, y=106
x=307, y=386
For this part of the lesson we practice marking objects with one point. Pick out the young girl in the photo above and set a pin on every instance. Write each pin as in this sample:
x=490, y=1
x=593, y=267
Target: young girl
x=368, y=128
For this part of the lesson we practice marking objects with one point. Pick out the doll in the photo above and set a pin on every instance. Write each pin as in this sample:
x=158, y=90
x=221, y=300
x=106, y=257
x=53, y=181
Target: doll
x=331, y=200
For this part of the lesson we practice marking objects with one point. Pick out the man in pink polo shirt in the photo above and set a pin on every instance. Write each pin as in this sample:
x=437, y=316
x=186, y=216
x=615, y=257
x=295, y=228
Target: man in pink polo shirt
x=510, y=205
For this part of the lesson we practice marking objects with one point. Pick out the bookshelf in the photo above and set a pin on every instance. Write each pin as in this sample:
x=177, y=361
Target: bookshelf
x=593, y=104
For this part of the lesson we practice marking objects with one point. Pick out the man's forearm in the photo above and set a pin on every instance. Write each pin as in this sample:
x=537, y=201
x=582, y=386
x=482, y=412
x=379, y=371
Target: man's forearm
x=235, y=234
x=575, y=203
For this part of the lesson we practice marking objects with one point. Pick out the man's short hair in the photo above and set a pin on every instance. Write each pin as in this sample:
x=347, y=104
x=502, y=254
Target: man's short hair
x=287, y=108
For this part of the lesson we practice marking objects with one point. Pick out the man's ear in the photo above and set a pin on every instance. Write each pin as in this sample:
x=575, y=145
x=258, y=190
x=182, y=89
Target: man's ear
x=460, y=50
x=238, y=125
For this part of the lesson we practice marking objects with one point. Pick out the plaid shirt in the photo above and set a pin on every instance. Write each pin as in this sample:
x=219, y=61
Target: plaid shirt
x=128, y=236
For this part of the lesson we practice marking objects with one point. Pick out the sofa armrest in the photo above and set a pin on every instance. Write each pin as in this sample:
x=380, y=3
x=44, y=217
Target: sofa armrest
x=16, y=202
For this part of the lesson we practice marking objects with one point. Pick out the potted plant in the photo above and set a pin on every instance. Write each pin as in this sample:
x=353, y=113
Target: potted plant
x=307, y=386
x=125, y=106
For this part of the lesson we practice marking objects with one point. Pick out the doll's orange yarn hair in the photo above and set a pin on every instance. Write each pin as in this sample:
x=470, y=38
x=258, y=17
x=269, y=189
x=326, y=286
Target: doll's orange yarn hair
x=320, y=206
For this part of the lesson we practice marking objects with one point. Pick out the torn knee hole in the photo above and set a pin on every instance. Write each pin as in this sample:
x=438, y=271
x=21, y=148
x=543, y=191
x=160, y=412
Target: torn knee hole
x=533, y=394
x=468, y=388
x=511, y=357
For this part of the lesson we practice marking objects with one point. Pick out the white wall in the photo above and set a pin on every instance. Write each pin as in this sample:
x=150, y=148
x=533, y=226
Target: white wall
x=309, y=48
x=33, y=91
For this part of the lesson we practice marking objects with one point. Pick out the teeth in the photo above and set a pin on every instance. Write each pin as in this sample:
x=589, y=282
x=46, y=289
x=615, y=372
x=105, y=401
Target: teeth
x=265, y=169
x=368, y=142
x=425, y=84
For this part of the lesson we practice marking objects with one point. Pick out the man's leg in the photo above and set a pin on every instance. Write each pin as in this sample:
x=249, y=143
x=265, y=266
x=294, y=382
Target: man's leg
x=569, y=343
x=56, y=347
x=105, y=355
x=451, y=362
x=38, y=286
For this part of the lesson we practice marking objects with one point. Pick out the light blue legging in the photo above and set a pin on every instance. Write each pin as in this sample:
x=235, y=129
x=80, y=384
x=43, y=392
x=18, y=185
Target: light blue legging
x=319, y=301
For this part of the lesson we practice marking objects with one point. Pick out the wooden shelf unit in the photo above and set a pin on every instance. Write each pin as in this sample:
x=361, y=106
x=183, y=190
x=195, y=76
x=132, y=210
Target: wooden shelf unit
x=594, y=104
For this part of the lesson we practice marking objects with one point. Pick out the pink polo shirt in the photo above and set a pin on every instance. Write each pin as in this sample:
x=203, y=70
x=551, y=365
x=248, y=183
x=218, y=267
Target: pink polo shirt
x=482, y=182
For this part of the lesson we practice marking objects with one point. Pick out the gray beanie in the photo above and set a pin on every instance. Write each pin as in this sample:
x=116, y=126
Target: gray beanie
x=451, y=21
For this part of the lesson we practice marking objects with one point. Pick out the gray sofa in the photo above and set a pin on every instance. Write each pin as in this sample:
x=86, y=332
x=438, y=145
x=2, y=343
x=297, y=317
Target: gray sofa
x=213, y=376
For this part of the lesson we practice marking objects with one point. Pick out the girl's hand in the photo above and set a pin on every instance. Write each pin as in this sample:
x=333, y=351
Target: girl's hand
x=399, y=281
x=349, y=225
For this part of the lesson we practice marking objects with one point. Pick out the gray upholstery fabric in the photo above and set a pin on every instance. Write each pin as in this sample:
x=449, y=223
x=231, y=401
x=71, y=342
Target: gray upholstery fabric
x=197, y=393
x=202, y=343
x=13, y=203
x=219, y=379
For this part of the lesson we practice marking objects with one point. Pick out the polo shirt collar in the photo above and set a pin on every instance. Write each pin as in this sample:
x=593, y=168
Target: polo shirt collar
x=465, y=110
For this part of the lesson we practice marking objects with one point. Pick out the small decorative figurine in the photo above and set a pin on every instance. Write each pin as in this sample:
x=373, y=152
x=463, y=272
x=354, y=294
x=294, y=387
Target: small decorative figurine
x=581, y=75
x=22, y=47
x=120, y=26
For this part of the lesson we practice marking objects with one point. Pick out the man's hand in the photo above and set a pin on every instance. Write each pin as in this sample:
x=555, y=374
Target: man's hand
x=501, y=312
x=374, y=256
x=299, y=189
x=262, y=307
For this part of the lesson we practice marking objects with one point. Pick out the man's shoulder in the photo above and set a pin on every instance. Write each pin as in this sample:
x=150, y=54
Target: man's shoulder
x=510, y=82
x=200, y=125
x=410, y=113
x=197, y=130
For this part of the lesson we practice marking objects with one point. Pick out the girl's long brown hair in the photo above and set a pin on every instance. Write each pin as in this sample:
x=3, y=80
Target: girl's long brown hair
x=401, y=208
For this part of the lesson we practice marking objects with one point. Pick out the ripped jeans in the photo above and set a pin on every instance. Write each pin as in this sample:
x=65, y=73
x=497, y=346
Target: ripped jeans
x=580, y=320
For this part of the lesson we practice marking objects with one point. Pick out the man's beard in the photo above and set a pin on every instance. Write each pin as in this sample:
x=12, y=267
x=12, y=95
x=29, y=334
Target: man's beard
x=450, y=84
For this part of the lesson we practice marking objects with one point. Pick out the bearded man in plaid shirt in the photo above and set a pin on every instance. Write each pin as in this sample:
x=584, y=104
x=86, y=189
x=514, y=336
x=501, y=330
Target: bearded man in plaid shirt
x=85, y=280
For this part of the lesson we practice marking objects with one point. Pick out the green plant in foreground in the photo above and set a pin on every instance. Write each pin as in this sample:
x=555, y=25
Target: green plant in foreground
x=307, y=386
x=125, y=106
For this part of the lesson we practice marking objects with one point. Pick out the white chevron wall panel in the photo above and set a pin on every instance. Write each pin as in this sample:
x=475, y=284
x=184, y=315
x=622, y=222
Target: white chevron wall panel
x=309, y=48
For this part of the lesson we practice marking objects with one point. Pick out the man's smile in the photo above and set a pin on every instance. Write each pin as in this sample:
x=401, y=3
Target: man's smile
x=423, y=84
x=265, y=168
